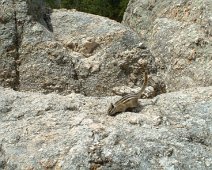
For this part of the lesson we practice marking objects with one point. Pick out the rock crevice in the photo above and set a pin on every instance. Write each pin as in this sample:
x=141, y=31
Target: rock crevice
x=17, y=42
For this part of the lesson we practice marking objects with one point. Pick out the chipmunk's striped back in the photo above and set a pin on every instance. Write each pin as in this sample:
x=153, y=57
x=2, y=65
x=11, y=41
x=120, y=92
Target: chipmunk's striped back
x=127, y=101
x=126, y=98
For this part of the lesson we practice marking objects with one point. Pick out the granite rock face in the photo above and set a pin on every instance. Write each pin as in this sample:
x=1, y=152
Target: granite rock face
x=16, y=17
x=107, y=53
x=171, y=131
x=63, y=51
x=178, y=34
x=69, y=56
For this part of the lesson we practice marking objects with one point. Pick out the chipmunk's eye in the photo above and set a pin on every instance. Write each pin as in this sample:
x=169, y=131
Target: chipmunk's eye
x=111, y=105
x=110, y=109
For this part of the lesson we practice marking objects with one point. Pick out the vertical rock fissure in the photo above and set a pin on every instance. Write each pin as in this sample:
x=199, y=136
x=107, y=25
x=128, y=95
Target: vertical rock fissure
x=16, y=57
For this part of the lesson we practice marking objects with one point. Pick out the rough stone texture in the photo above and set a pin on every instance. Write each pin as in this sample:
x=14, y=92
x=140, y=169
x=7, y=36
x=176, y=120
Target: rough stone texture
x=100, y=44
x=178, y=33
x=64, y=51
x=40, y=131
x=8, y=42
x=14, y=17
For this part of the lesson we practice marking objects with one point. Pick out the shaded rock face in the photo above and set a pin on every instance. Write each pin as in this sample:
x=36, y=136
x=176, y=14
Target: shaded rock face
x=14, y=20
x=8, y=41
x=178, y=34
x=40, y=131
x=65, y=51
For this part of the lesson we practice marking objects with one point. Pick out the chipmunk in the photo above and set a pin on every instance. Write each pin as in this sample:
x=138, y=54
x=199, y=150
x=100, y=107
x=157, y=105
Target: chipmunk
x=127, y=101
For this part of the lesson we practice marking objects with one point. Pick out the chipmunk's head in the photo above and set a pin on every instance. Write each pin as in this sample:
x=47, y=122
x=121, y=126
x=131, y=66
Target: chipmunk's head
x=111, y=110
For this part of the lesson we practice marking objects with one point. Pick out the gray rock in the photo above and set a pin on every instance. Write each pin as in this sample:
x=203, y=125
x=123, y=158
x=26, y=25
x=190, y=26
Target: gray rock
x=14, y=18
x=106, y=52
x=63, y=51
x=178, y=33
x=8, y=50
x=67, y=51
x=171, y=131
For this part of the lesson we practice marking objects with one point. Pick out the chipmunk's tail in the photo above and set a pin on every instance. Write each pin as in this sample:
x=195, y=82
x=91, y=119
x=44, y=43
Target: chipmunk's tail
x=144, y=84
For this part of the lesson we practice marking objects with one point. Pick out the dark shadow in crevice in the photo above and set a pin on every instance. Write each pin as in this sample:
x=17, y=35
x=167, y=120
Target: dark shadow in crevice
x=47, y=19
x=40, y=13
x=17, y=42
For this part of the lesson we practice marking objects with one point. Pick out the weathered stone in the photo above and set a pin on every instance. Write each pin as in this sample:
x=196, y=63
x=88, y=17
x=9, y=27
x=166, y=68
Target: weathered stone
x=171, y=131
x=178, y=33
x=65, y=50
x=104, y=47
x=8, y=44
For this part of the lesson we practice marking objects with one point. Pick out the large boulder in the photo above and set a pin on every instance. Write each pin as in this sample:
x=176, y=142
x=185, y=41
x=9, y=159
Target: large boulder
x=8, y=45
x=171, y=131
x=16, y=16
x=65, y=51
x=107, y=54
x=178, y=34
